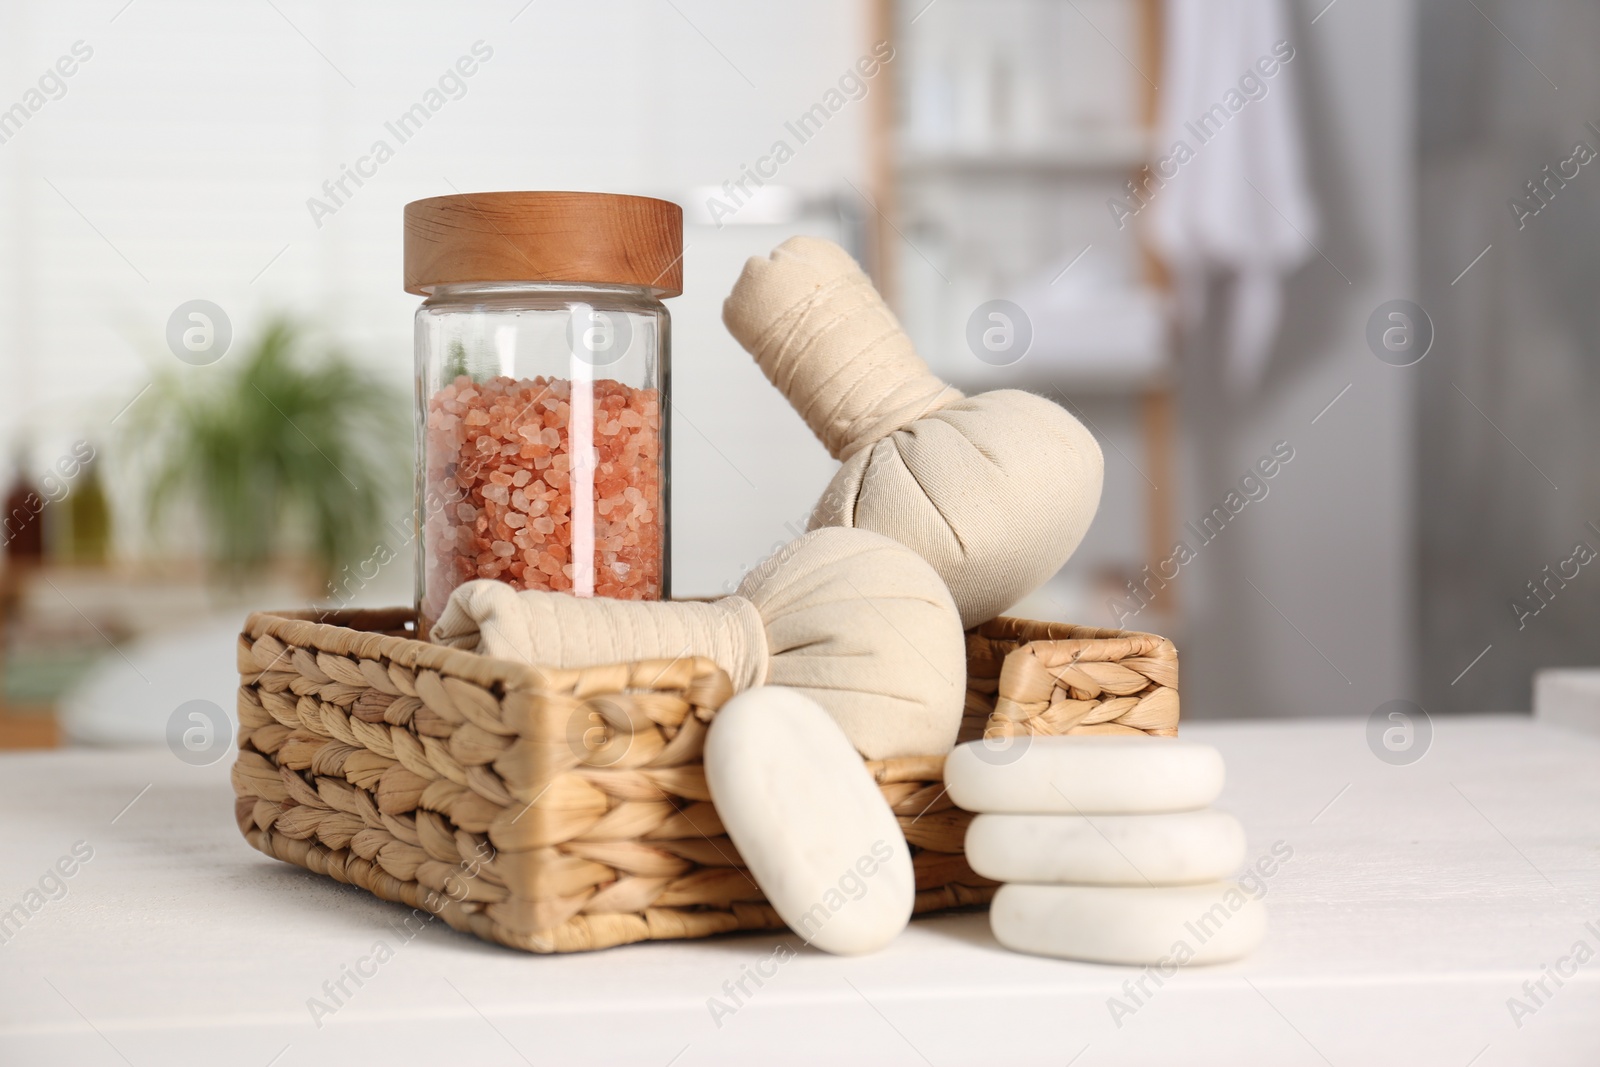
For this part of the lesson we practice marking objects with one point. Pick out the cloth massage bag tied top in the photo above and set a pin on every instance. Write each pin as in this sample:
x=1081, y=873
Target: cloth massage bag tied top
x=994, y=490
x=852, y=619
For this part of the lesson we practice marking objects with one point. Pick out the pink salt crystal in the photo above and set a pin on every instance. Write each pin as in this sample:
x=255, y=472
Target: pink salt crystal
x=524, y=529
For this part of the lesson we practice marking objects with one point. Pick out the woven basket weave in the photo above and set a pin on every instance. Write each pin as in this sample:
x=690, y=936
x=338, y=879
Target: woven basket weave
x=564, y=810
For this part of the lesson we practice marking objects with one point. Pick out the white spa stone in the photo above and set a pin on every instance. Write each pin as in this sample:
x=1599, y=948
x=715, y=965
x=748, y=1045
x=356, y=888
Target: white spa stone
x=1177, y=848
x=1164, y=927
x=1084, y=775
x=798, y=803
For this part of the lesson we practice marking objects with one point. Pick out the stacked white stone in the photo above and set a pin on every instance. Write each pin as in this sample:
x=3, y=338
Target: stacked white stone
x=1107, y=848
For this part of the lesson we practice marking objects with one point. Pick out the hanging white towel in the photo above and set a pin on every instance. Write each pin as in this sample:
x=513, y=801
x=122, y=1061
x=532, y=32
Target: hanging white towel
x=1240, y=208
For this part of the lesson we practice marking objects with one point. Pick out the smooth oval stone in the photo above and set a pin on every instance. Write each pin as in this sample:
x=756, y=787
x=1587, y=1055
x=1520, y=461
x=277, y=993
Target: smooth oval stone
x=802, y=809
x=1177, y=848
x=1084, y=775
x=1164, y=927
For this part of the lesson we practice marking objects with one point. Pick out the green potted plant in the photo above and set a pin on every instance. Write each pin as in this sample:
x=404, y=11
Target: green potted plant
x=278, y=452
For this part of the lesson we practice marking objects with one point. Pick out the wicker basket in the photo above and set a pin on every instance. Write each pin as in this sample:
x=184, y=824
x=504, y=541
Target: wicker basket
x=564, y=810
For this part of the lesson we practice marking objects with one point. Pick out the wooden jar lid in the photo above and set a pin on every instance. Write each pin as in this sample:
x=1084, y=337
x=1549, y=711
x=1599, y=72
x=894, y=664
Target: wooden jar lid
x=582, y=238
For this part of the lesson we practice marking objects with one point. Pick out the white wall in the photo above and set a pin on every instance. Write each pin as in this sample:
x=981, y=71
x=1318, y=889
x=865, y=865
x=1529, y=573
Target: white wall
x=179, y=162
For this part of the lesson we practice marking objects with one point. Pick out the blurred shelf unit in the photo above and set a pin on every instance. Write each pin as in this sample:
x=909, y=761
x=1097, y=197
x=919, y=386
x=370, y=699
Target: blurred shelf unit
x=1095, y=344
x=1081, y=153
x=129, y=598
x=1010, y=125
x=57, y=620
x=1007, y=129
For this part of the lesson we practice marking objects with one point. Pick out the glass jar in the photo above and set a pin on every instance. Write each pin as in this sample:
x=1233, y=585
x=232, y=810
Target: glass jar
x=542, y=405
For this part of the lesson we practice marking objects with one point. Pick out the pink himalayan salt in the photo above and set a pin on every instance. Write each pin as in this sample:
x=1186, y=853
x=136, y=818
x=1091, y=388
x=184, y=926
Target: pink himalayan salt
x=499, y=460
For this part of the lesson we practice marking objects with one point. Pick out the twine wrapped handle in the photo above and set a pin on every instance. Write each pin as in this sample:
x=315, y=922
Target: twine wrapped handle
x=821, y=334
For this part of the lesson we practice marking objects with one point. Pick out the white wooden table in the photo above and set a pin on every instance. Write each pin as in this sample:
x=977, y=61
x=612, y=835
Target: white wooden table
x=1417, y=902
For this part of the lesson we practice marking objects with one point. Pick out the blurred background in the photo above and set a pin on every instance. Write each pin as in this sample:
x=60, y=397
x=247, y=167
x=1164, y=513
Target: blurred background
x=1349, y=243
